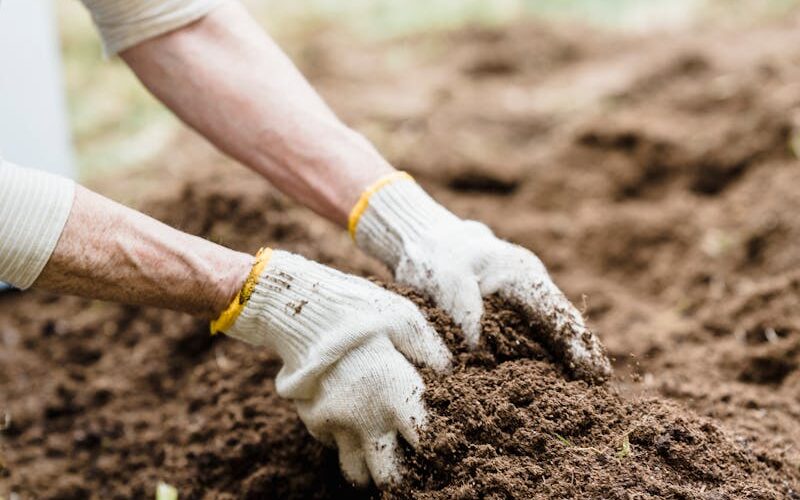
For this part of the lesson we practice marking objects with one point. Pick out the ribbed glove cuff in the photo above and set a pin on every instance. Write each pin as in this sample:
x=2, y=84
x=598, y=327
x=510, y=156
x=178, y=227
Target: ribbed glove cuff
x=273, y=315
x=294, y=310
x=396, y=215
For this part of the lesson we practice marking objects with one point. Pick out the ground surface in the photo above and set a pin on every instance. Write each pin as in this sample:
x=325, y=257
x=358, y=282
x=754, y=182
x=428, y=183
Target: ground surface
x=657, y=179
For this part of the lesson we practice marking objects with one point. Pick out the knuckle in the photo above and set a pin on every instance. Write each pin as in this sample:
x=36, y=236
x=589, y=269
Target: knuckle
x=478, y=228
x=409, y=312
x=523, y=257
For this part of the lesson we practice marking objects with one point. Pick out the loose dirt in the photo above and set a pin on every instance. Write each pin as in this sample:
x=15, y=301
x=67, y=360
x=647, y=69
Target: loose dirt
x=655, y=177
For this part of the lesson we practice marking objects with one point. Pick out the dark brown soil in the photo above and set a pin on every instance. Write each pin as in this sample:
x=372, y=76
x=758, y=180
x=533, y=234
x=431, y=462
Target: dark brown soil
x=655, y=177
x=508, y=424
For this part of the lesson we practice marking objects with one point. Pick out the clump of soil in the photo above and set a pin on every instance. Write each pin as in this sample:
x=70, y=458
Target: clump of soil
x=656, y=178
x=509, y=424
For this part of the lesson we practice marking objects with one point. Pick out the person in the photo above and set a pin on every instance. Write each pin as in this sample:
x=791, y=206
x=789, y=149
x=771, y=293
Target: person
x=349, y=347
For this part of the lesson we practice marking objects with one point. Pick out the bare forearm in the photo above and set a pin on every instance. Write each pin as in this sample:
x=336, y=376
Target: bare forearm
x=225, y=77
x=111, y=252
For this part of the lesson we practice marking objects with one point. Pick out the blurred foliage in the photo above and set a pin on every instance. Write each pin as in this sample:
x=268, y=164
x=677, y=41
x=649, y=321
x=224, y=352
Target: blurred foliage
x=117, y=124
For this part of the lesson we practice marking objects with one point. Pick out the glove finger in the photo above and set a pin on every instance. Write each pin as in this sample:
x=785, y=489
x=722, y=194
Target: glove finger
x=465, y=304
x=411, y=417
x=352, y=459
x=419, y=342
x=527, y=285
x=563, y=329
x=383, y=459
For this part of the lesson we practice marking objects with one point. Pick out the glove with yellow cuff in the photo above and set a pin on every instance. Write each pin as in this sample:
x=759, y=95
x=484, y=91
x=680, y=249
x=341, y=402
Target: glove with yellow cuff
x=346, y=345
x=457, y=262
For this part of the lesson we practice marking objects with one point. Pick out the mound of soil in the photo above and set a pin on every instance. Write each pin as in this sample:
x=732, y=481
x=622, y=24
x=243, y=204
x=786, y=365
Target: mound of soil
x=655, y=177
x=508, y=424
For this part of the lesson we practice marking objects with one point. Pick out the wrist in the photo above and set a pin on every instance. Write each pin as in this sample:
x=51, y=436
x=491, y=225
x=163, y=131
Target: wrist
x=232, y=274
x=364, y=167
x=235, y=287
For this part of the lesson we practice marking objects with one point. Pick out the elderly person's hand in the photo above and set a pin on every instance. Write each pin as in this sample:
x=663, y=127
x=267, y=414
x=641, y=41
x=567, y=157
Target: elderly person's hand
x=347, y=347
x=457, y=262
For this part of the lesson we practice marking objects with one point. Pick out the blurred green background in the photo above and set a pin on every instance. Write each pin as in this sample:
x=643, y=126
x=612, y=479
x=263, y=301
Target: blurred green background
x=116, y=124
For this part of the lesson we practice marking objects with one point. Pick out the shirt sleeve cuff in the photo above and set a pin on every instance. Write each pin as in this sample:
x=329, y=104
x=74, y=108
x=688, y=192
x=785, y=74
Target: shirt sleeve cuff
x=34, y=207
x=123, y=24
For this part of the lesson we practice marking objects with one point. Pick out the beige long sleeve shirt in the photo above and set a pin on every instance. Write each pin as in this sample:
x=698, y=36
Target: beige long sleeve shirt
x=124, y=23
x=35, y=206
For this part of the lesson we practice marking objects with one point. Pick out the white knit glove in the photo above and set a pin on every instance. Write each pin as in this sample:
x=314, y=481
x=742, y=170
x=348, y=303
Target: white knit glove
x=346, y=345
x=457, y=262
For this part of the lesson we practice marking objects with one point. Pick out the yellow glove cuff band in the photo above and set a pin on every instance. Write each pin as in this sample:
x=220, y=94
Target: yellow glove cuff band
x=229, y=315
x=363, y=202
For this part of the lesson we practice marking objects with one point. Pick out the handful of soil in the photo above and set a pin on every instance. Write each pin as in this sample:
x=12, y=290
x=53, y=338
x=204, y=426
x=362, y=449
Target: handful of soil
x=507, y=423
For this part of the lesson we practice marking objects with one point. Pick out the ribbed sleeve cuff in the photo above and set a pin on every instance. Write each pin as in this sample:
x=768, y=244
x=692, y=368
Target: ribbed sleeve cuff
x=34, y=207
x=123, y=24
